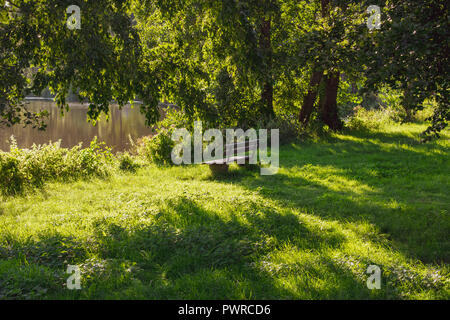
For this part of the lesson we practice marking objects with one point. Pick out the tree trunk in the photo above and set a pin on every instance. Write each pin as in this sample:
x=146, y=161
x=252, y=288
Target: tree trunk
x=328, y=107
x=316, y=77
x=267, y=97
x=329, y=112
x=325, y=4
x=407, y=104
x=266, y=49
x=310, y=98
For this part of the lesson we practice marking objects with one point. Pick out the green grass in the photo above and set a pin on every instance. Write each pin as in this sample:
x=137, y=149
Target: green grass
x=310, y=232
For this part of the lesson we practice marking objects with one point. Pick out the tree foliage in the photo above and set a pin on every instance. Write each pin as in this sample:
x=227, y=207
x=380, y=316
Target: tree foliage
x=229, y=62
x=412, y=54
x=102, y=60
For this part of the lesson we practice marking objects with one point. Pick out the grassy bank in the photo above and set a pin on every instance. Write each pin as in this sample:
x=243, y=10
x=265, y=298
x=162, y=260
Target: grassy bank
x=310, y=232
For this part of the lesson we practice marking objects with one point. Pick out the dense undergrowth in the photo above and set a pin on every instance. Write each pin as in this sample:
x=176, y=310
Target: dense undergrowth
x=22, y=169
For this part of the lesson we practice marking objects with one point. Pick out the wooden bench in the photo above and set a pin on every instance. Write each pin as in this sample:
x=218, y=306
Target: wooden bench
x=237, y=152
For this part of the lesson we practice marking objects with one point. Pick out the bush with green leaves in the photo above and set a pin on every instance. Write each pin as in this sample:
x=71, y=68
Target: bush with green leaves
x=288, y=126
x=23, y=168
x=366, y=120
x=158, y=148
x=127, y=162
x=12, y=178
x=96, y=160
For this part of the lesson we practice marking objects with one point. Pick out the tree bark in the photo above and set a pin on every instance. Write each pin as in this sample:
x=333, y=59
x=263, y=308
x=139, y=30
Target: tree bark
x=325, y=4
x=316, y=77
x=407, y=104
x=310, y=98
x=329, y=112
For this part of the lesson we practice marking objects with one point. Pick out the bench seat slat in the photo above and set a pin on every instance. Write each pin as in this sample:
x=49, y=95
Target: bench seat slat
x=243, y=148
x=227, y=160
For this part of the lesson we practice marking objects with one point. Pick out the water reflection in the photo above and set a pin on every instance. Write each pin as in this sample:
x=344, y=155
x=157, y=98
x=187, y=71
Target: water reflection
x=74, y=128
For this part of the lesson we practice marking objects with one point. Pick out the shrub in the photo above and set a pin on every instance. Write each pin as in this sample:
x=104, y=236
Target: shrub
x=126, y=162
x=427, y=112
x=364, y=120
x=93, y=161
x=157, y=149
x=21, y=168
x=288, y=127
x=42, y=163
x=12, y=179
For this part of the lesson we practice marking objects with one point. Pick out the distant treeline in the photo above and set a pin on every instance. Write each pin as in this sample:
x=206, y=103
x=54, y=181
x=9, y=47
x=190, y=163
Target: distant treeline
x=71, y=97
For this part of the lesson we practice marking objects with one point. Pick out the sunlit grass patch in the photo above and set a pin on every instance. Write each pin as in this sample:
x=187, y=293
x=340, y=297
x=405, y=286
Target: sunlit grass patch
x=309, y=232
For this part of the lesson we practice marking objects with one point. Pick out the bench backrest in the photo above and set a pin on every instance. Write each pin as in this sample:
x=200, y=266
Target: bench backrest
x=237, y=148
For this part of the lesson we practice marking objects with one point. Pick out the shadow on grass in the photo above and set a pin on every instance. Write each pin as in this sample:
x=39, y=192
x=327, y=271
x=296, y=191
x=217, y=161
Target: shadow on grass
x=186, y=253
x=190, y=252
x=355, y=181
x=387, y=137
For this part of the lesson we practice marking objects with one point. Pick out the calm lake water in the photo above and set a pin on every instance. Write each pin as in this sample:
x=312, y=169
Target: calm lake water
x=73, y=127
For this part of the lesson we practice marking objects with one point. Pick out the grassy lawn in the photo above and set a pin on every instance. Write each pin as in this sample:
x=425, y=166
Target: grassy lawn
x=309, y=232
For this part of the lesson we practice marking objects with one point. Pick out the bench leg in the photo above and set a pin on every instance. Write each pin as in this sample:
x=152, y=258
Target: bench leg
x=218, y=168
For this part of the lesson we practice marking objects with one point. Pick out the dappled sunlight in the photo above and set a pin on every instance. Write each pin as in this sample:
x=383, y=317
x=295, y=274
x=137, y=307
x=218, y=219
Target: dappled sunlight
x=224, y=150
x=329, y=177
x=308, y=232
x=401, y=137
